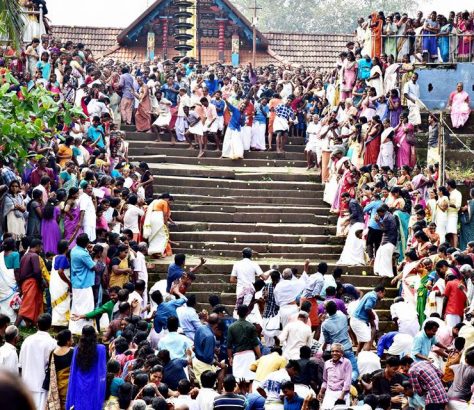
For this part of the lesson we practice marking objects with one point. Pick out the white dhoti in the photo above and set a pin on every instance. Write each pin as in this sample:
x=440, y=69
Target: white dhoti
x=232, y=146
x=383, y=260
x=433, y=156
x=458, y=405
x=211, y=128
x=408, y=327
x=452, y=320
x=197, y=129
x=280, y=124
x=39, y=399
x=452, y=224
x=180, y=127
x=246, y=134
x=258, y=135
x=82, y=303
x=361, y=329
x=330, y=398
x=286, y=313
x=60, y=298
x=414, y=116
x=303, y=390
x=270, y=329
x=8, y=289
x=353, y=252
x=241, y=365
x=220, y=123
x=163, y=120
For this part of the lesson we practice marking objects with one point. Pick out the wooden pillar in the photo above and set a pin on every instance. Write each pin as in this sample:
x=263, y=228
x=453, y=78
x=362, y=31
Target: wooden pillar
x=221, y=39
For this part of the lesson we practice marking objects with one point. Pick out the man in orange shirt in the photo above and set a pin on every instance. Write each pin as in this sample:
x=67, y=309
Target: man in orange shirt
x=454, y=300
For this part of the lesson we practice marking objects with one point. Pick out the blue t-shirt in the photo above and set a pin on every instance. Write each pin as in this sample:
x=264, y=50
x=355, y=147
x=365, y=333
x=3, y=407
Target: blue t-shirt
x=170, y=93
x=164, y=311
x=254, y=401
x=371, y=208
x=173, y=372
x=204, y=344
x=261, y=113
x=96, y=132
x=236, y=118
x=82, y=275
x=367, y=303
x=174, y=272
x=220, y=106
x=212, y=86
x=422, y=344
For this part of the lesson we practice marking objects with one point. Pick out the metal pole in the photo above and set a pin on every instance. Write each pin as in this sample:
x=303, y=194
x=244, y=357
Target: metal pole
x=442, y=165
x=254, y=39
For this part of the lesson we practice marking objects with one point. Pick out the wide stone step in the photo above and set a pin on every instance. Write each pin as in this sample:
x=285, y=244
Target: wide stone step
x=219, y=161
x=259, y=247
x=276, y=228
x=273, y=217
x=151, y=149
x=230, y=236
x=278, y=202
x=454, y=157
x=250, y=209
x=223, y=192
x=312, y=187
x=452, y=143
x=275, y=257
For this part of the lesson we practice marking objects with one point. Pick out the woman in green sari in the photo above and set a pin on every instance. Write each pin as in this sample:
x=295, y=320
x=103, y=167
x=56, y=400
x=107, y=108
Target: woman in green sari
x=422, y=293
x=467, y=222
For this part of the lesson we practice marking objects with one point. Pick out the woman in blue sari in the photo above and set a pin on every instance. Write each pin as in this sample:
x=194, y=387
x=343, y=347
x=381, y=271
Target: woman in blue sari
x=467, y=222
x=87, y=381
x=443, y=39
x=402, y=210
x=429, y=31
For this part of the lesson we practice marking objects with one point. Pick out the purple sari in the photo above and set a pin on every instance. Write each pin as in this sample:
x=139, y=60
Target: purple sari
x=86, y=390
x=51, y=233
x=70, y=225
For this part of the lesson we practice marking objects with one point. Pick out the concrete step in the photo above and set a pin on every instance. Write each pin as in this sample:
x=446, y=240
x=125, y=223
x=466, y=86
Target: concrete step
x=219, y=161
x=269, y=217
x=276, y=228
x=209, y=182
x=230, y=236
x=250, y=209
x=454, y=157
x=274, y=256
x=451, y=142
x=160, y=187
x=203, y=197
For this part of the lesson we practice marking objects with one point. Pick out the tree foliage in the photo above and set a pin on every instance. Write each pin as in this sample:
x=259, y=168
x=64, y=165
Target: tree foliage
x=27, y=116
x=318, y=16
x=11, y=21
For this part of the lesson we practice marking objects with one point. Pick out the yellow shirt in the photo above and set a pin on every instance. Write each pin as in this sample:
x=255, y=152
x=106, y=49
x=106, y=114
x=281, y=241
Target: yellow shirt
x=266, y=365
x=119, y=279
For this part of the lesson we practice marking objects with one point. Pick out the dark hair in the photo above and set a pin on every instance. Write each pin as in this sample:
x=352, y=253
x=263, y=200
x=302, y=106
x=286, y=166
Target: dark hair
x=451, y=183
x=208, y=379
x=44, y=322
x=63, y=246
x=9, y=244
x=156, y=297
x=331, y=307
x=113, y=368
x=305, y=352
x=179, y=259
x=125, y=395
x=379, y=288
x=184, y=386
x=293, y=364
x=469, y=356
x=82, y=240
x=288, y=385
x=63, y=337
x=406, y=360
x=229, y=383
x=159, y=403
x=173, y=324
x=322, y=267
x=87, y=349
x=242, y=311
x=14, y=392
x=430, y=324
x=393, y=361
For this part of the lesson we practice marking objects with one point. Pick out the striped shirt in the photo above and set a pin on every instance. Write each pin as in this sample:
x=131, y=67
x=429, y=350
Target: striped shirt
x=229, y=401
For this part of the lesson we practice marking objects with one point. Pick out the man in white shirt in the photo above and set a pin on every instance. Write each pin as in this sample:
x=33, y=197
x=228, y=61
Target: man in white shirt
x=405, y=315
x=34, y=357
x=88, y=213
x=140, y=267
x=245, y=271
x=295, y=335
x=207, y=393
x=133, y=215
x=184, y=399
x=411, y=91
x=8, y=353
x=285, y=294
x=455, y=202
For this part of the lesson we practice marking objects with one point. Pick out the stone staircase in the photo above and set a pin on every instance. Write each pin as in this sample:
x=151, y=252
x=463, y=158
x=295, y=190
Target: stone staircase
x=267, y=201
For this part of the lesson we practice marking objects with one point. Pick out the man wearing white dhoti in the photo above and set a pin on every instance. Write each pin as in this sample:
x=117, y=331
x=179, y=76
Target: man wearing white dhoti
x=336, y=378
x=285, y=294
x=232, y=146
x=383, y=258
x=88, y=219
x=242, y=345
x=82, y=280
x=455, y=202
x=281, y=125
x=405, y=315
x=411, y=91
x=33, y=359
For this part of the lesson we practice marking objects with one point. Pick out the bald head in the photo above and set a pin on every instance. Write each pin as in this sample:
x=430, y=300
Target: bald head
x=287, y=274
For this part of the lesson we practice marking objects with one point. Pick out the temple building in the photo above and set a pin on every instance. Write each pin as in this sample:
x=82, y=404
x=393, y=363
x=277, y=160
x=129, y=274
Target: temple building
x=207, y=30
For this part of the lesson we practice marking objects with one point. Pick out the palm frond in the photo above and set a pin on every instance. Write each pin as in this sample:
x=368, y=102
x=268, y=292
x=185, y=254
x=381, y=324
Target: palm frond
x=11, y=21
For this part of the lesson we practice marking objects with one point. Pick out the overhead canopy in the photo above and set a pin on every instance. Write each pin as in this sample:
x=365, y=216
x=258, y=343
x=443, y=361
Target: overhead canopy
x=158, y=8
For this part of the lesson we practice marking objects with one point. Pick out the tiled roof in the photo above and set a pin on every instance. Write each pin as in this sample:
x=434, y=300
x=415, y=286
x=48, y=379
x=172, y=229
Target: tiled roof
x=98, y=39
x=312, y=50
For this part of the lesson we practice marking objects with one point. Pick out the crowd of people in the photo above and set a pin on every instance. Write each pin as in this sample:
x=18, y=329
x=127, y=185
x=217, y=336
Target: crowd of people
x=79, y=219
x=434, y=38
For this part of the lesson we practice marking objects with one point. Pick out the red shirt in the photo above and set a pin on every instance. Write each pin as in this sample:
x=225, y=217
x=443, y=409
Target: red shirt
x=456, y=298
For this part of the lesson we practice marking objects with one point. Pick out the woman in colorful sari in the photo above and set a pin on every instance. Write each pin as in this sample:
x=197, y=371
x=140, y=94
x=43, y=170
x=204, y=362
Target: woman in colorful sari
x=376, y=27
x=429, y=40
x=465, y=32
x=403, y=43
x=390, y=42
x=467, y=222
x=59, y=286
x=9, y=262
x=444, y=40
x=59, y=371
x=72, y=215
x=403, y=136
x=372, y=141
x=422, y=294
x=346, y=183
x=68, y=177
x=376, y=77
x=155, y=228
x=458, y=103
x=143, y=114
x=397, y=205
x=386, y=156
x=87, y=382
x=14, y=211
x=408, y=277
x=390, y=81
x=349, y=75
x=406, y=70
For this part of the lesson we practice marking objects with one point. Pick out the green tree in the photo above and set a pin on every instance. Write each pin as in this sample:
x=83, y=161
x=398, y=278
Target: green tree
x=33, y=116
x=11, y=21
x=319, y=16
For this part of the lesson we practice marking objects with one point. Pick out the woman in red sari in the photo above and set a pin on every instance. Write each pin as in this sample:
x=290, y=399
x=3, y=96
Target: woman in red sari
x=372, y=141
x=143, y=114
x=376, y=26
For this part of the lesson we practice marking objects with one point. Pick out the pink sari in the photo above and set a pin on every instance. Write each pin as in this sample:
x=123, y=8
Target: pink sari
x=404, y=151
x=459, y=108
x=143, y=114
